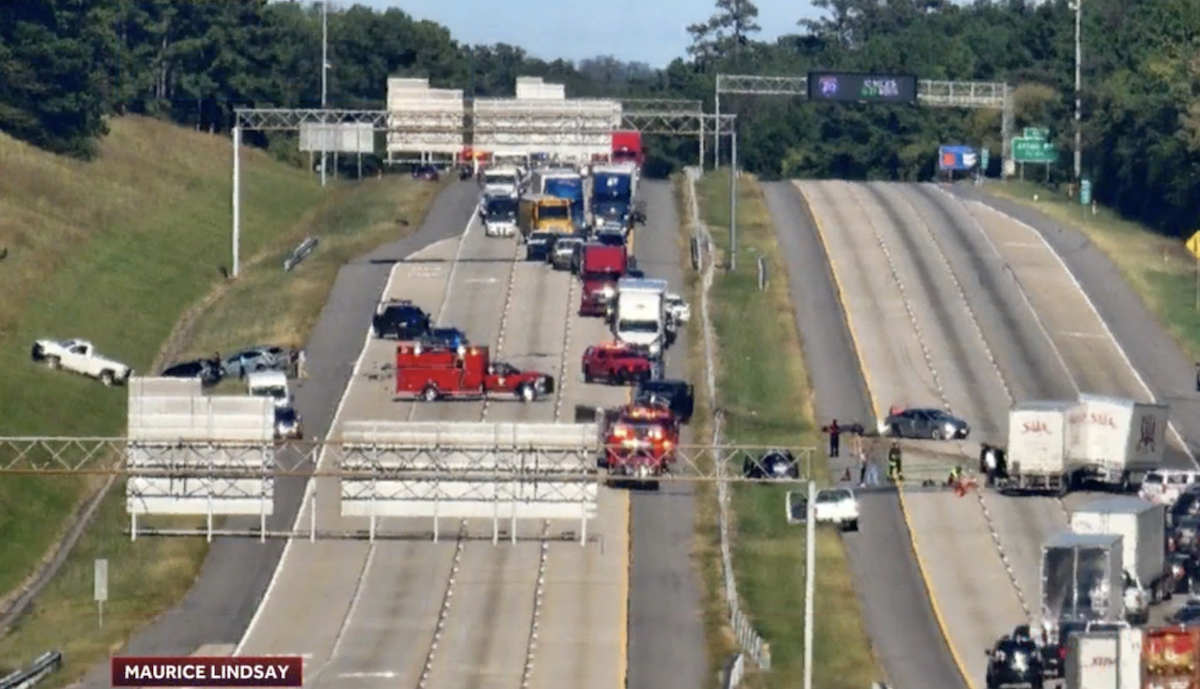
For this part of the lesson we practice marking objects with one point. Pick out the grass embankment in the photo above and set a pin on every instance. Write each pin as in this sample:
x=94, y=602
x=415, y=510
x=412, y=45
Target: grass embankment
x=764, y=390
x=1159, y=268
x=127, y=252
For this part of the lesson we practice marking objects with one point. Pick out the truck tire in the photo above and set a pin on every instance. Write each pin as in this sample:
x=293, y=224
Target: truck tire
x=527, y=393
x=108, y=378
x=54, y=362
x=430, y=394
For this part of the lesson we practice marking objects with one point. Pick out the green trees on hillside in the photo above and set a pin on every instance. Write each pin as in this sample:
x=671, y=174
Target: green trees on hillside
x=65, y=64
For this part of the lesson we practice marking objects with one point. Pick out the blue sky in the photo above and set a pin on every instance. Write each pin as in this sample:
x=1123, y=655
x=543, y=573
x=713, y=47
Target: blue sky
x=650, y=31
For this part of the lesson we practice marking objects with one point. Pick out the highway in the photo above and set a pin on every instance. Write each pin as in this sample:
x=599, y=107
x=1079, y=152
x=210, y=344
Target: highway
x=460, y=613
x=937, y=318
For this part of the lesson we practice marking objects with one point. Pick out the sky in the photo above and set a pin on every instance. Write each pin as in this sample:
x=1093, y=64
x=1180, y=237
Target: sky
x=650, y=31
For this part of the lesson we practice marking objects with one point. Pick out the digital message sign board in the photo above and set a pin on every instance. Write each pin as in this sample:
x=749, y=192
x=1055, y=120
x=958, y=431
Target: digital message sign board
x=858, y=87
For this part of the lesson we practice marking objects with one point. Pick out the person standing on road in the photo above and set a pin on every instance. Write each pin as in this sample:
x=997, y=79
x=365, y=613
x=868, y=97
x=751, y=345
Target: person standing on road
x=835, y=437
x=895, y=462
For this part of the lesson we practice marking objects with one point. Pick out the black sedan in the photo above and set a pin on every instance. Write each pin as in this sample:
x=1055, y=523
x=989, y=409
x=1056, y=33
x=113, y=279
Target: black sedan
x=209, y=372
x=1014, y=662
x=772, y=465
x=1184, y=571
x=678, y=395
x=933, y=424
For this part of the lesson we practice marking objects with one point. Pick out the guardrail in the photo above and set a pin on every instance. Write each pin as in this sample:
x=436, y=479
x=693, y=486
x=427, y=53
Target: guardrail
x=301, y=252
x=44, y=665
x=748, y=639
x=734, y=671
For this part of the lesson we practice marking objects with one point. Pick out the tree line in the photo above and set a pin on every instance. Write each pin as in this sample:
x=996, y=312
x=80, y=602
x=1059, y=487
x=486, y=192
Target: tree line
x=67, y=65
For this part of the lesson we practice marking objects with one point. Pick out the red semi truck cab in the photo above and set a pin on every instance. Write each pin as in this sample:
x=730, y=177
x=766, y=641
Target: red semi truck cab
x=627, y=147
x=434, y=373
x=602, y=267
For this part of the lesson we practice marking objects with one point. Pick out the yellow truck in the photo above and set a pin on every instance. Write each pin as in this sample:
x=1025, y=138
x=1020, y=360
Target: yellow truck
x=542, y=220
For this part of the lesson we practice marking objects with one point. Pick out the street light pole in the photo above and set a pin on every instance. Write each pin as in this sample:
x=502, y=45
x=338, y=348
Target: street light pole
x=1078, y=7
x=324, y=77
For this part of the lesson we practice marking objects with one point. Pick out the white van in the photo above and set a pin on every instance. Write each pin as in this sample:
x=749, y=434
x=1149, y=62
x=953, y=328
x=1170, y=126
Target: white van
x=271, y=384
x=1163, y=487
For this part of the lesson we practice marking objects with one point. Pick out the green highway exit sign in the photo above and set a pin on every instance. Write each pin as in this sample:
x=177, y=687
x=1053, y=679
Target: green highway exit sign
x=1032, y=150
x=1036, y=133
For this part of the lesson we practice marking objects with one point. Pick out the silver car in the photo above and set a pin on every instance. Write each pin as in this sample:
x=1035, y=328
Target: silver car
x=933, y=424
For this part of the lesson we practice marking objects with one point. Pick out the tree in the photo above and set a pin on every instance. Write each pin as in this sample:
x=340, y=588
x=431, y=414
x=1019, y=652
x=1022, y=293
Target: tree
x=726, y=31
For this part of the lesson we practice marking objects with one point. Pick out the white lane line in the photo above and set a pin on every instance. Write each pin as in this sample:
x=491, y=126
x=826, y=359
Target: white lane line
x=508, y=299
x=538, y=595
x=1103, y=323
x=386, y=674
x=562, y=371
x=1090, y=336
x=310, y=485
x=355, y=598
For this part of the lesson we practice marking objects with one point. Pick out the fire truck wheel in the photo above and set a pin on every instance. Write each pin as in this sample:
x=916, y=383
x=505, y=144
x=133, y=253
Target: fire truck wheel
x=430, y=394
x=527, y=393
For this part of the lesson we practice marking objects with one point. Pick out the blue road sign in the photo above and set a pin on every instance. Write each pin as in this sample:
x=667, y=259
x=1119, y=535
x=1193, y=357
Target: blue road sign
x=957, y=158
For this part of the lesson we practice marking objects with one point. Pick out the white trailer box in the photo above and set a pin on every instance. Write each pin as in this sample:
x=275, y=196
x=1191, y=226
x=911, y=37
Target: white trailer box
x=1116, y=439
x=1105, y=660
x=1142, y=527
x=1037, y=444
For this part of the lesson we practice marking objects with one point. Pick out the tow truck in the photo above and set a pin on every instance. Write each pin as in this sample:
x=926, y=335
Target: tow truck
x=616, y=363
x=464, y=372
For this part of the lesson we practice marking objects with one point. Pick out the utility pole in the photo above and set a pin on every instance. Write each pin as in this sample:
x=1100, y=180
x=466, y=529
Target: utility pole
x=1078, y=7
x=324, y=78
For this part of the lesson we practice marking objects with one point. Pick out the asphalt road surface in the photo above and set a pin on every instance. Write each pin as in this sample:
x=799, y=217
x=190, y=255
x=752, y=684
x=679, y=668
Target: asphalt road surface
x=958, y=306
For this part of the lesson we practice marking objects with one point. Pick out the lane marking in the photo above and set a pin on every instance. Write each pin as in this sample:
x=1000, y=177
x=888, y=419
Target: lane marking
x=355, y=598
x=1103, y=323
x=311, y=484
x=1076, y=333
x=922, y=568
x=386, y=674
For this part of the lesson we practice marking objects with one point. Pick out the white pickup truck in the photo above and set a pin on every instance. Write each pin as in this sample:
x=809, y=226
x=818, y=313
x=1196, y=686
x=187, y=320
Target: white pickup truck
x=80, y=356
x=837, y=506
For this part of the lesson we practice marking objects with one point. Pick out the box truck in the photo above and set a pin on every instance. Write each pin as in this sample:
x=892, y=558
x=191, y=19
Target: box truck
x=1082, y=578
x=1105, y=660
x=1037, y=447
x=1142, y=527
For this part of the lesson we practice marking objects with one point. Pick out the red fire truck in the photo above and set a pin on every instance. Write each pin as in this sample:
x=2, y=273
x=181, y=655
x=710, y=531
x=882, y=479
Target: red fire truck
x=640, y=441
x=434, y=373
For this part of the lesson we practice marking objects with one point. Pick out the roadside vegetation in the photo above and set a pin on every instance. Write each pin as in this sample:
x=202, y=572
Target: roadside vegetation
x=764, y=391
x=127, y=251
x=1158, y=267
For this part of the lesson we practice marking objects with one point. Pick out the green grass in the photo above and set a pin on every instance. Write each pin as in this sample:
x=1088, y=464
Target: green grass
x=162, y=293
x=764, y=390
x=1159, y=268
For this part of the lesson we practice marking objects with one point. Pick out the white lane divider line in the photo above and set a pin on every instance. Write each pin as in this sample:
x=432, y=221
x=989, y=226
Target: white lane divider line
x=539, y=593
x=444, y=611
x=502, y=330
x=561, y=393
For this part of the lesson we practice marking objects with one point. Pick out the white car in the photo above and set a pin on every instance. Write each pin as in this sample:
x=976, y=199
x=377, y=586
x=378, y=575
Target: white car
x=1163, y=487
x=678, y=309
x=837, y=506
x=80, y=356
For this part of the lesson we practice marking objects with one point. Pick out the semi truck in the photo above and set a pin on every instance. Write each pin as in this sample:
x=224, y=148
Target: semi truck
x=1104, y=660
x=1082, y=579
x=501, y=181
x=1142, y=527
x=627, y=147
x=562, y=184
x=1116, y=441
x=602, y=267
x=613, y=190
x=639, y=317
x=541, y=219
x=1037, y=447
x=1171, y=658
x=468, y=372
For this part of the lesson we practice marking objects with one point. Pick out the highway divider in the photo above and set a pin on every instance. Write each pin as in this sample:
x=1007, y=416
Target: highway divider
x=749, y=641
x=45, y=665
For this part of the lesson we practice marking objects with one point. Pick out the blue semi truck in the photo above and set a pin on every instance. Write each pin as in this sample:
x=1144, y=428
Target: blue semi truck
x=613, y=189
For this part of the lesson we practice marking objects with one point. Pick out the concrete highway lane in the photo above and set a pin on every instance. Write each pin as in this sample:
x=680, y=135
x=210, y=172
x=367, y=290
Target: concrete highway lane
x=895, y=604
x=870, y=249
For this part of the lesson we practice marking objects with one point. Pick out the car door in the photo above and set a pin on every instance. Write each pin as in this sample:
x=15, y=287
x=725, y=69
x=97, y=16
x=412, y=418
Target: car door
x=917, y=422
x=75, y=358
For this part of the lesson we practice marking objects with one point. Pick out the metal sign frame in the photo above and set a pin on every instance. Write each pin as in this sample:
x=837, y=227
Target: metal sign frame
x=983, y=95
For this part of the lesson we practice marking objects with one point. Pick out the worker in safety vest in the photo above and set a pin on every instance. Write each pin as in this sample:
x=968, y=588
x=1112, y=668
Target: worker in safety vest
x=895, y=462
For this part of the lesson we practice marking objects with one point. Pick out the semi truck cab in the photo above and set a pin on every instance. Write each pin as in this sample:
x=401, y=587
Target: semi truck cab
x=639, y=318
x=542, y=219
x=603, y=266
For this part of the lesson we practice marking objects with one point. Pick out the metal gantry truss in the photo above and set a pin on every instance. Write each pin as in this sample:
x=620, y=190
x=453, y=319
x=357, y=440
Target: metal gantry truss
x=64, y=456
x=985, y=95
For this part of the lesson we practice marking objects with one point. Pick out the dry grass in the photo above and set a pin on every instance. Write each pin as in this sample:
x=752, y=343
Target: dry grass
x=281, y=207
x=1159, y=268
x=764, y=390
